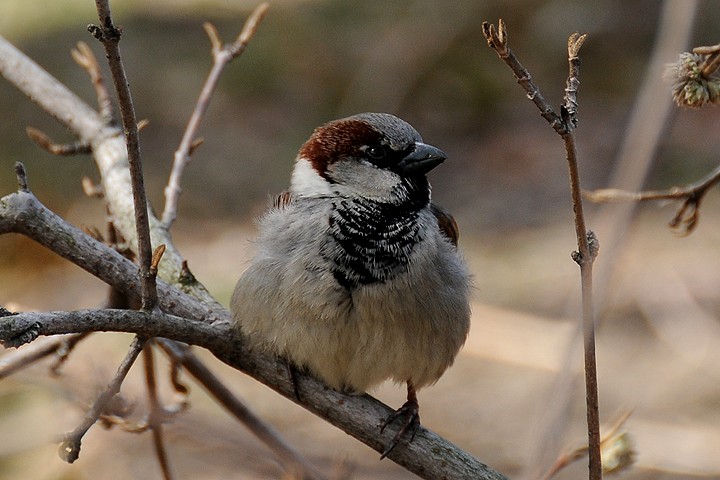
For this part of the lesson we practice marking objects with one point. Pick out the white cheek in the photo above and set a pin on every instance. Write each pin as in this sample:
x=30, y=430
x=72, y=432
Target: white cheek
x=306, y=182
x=357, y=178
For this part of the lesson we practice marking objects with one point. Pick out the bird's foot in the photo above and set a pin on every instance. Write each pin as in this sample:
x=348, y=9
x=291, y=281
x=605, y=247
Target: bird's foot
x=410, y=415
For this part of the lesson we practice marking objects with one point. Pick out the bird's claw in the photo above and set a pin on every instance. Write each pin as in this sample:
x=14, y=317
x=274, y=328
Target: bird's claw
x=411, y=421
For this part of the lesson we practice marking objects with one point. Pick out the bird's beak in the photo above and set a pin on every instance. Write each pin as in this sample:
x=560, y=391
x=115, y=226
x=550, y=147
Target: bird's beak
x=420, y=160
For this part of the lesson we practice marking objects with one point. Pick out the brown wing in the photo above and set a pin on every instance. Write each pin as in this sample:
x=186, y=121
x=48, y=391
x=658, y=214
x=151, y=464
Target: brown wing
x=283, y=199
x=447, y=224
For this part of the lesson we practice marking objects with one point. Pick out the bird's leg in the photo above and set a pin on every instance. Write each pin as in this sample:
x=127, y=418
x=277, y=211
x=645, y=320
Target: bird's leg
x=409, y=412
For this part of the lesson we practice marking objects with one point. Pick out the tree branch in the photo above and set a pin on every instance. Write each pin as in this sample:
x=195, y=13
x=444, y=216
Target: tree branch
x=110, y=155
x=428, y=455
x=691, y=195
x=222, y=55
x=21, y=212
x=70, y=446
x=587, y=242
x=17, y=330
x=109, y=36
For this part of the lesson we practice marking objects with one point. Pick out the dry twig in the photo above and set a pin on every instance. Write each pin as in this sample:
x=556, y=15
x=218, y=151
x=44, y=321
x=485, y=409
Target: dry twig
x=691, y=196
x=84, y=57
x=222, y=55
x=157, y=412
x=618, y=453
x=59, y=346
x=587, y=242
x=109, y=36
x=46, y=143
x=70, y=447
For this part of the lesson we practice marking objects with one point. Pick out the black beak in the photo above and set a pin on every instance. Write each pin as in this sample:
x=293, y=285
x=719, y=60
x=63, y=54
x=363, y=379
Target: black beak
x=420, y=160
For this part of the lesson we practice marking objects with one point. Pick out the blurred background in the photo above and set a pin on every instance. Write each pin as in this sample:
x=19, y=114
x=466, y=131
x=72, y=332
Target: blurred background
x=514, y=399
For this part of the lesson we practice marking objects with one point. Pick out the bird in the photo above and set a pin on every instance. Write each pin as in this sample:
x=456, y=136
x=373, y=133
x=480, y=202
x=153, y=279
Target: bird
x=357, y=276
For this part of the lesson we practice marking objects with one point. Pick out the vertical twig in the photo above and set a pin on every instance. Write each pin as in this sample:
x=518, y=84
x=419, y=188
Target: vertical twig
x=564, y=125
x=155, y=420
x=585, y=257
x=222, y=55
x=109, y=36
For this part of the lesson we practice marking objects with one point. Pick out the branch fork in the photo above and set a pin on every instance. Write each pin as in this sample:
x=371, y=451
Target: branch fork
x=587, y=242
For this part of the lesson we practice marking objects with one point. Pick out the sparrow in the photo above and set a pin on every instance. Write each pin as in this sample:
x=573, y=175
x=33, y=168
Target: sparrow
x=357, y=275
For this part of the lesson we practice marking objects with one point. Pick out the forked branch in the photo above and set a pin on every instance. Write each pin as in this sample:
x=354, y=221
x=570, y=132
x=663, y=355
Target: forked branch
x=587, y=242
x=70, y=447
x=222, y=55
x=691, y=196
x=696, y=83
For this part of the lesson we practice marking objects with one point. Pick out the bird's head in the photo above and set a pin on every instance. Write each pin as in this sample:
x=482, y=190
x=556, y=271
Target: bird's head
x=375, y=156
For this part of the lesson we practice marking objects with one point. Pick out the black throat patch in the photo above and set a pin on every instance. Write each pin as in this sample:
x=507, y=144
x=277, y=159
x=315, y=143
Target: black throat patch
x=372, y=241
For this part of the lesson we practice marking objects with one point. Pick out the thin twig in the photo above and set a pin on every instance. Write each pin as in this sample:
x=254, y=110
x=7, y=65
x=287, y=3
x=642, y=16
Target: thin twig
x=85, y=57
x=222, y=55
x=62, y=354
x=155, y=420
x=46, y=143
x=109, y=36
x=686, y=218
x=293, y=463
x=15, y=361
x=70, y=447
x=497, y=40
x=587, y=251
x=587, y=242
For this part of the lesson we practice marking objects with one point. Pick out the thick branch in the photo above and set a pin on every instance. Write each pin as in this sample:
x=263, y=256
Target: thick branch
x=109, y=153
x=16, y=330
x=428, y=455
x=21, y=212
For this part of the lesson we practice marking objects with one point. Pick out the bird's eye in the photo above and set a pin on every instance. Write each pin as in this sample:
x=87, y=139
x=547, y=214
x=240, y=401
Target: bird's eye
x=375, y=152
